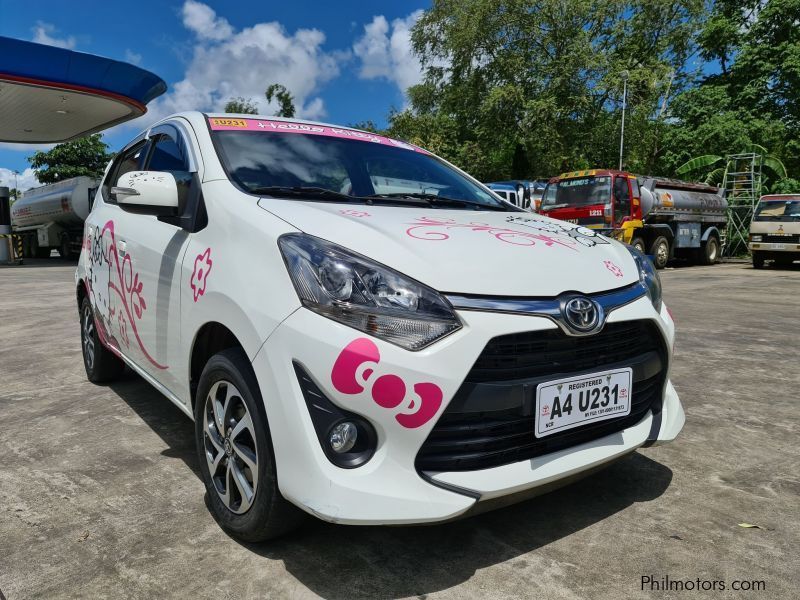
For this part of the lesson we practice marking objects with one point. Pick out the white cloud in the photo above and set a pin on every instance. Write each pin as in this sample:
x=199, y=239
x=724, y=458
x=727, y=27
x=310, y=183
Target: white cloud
x=204, y=22
x=385, y=51
x=132, y=57
x=25, y=180
x=227, y=63
x=44, y=33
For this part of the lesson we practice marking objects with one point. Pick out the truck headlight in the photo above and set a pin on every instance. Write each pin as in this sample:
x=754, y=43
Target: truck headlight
x=365, y=295
x=648, y=276
x=756, y=238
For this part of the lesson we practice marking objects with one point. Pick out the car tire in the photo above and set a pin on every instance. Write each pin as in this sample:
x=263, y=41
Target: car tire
x=233, y=441
x=758, y=260
x=639, y=244
x=100, y=363
x=659, y=250
x=709, y=253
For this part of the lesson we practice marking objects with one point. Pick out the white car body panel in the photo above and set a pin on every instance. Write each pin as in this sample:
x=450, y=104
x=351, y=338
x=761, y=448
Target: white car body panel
x=232, y=273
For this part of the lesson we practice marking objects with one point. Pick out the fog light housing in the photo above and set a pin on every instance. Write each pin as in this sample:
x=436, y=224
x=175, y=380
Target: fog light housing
x=343, y=437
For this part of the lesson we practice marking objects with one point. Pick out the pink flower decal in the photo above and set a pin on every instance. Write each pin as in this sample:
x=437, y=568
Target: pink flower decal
x=388, y=391
x=613, y=268
x=202, y=267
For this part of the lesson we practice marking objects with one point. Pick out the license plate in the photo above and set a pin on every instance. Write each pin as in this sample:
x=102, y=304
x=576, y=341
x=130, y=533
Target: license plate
x=575, y=401
x=779, y=246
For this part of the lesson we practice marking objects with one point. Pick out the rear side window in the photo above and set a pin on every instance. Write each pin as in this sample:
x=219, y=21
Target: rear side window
x=129, y=160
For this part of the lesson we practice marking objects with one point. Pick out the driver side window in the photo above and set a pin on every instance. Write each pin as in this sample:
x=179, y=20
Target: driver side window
x=623, y=198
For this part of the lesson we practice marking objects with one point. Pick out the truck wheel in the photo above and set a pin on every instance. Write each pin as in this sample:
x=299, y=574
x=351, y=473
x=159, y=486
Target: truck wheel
x=235, y=453
x=659, y=250
x=64, y=248
x=27, y=251
x=758, y=260
x=710, y=251
x=100, y=363
x=638, y=243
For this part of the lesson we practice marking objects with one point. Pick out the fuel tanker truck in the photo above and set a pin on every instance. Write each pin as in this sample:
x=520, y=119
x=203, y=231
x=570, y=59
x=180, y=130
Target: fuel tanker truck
x=52, y=216
x=664, y=218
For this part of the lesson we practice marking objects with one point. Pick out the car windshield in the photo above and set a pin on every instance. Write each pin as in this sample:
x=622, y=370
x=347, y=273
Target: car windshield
x=297, y=160
x=578, y=192
x=778, y=210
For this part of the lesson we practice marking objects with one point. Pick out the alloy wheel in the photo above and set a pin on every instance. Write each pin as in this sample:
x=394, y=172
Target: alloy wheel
x=88, y=337
x=230, y=446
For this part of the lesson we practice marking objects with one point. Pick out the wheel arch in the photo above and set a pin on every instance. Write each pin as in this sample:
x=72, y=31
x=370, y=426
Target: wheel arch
x=211, y=338
x=709, y=232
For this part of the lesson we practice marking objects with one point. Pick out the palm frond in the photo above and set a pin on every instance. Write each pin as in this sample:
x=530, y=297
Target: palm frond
x=697, y=163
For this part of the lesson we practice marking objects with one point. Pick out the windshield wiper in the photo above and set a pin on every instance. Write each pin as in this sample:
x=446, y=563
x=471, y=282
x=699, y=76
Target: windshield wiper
x=552, y=206
x=436, y=200
x=305, y=191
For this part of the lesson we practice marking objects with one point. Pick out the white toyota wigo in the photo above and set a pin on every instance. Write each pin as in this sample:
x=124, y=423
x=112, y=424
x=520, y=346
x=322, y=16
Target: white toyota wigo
x=360, y=330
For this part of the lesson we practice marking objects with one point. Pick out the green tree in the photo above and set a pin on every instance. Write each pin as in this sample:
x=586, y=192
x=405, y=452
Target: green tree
x=521, y=88
x=283, y=97
x=242, y=106
x=85, y=156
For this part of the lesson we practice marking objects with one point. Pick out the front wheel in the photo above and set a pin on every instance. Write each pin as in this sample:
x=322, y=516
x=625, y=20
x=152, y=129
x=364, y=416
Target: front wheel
x=758, y=260
x=234, y=448
x=660, y=252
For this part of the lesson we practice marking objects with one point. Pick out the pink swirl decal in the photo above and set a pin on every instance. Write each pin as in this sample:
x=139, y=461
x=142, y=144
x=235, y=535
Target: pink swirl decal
x=388, y=390
x=125, y=285
x=434, y=229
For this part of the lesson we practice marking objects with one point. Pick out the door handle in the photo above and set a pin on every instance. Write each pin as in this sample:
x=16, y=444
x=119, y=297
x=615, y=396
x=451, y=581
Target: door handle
x=122, y=248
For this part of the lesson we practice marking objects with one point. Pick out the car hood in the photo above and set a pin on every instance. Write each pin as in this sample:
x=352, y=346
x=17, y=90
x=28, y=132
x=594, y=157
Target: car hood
x=487, y=253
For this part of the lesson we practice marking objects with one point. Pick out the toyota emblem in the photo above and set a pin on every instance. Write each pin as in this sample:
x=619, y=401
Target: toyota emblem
x=582, y=314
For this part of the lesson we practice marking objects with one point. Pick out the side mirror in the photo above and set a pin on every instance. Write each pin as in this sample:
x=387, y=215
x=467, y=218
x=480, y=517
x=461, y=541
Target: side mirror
x=147, y=192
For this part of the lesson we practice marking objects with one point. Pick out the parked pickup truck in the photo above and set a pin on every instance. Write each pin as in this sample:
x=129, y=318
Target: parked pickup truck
x=775, y=230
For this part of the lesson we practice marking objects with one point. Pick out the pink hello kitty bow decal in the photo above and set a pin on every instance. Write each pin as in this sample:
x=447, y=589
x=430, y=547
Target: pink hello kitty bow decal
x=387, y=390
x=202, y=267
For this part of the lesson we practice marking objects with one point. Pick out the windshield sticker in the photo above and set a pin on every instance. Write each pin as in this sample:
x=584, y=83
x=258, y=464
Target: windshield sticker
x=202, y=268
x=354, y=369
x=611, y=266
x=262, y=125
x=549, y=234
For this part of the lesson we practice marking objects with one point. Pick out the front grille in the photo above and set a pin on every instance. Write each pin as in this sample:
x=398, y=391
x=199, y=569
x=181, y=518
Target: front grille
x=781, y=239
x=490, y=420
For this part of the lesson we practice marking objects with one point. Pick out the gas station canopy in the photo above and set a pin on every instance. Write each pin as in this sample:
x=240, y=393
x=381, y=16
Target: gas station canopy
x=50, y=94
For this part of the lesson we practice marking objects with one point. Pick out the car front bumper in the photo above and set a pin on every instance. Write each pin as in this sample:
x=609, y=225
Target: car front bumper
x=389, y=489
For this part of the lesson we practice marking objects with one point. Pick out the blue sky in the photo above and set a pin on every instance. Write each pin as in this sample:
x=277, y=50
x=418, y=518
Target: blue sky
x=345, y=61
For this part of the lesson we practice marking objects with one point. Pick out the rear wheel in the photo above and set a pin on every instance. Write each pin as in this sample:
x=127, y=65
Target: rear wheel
x=100, y=364
x=758, y=260
x=235, y=452
x=710, y=251
x=660, y=252
x=638, y=243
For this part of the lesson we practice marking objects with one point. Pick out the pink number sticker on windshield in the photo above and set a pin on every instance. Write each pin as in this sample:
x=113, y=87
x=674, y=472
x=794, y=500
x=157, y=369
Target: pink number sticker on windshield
x=218, y=124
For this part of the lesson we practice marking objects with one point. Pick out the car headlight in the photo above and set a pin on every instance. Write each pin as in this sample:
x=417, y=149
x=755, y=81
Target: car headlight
x=755, y=238
x=365, y=295
x=648, y=276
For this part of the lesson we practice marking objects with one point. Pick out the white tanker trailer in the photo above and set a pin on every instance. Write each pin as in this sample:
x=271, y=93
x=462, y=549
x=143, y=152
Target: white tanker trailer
x=52, y=216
